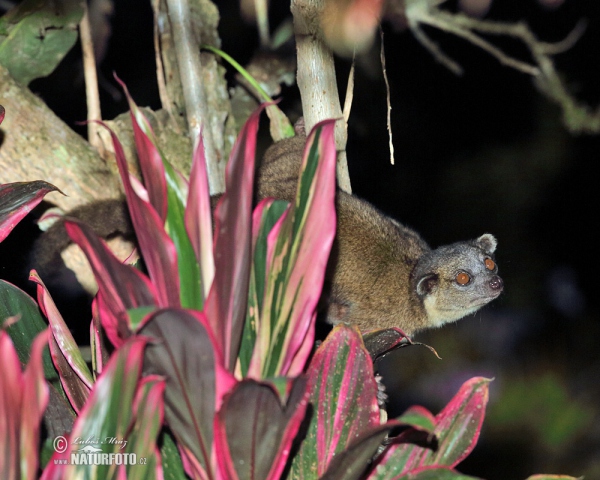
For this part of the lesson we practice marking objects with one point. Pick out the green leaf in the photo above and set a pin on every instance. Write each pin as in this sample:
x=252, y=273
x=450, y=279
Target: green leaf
x=15, y=302
x=171, y=460
x=159, y=179
x=280, y=125
x=108, y=414
x=36, y=35
x=149, y=409
x=136, y=315
x=74, y=373
x=418, y=417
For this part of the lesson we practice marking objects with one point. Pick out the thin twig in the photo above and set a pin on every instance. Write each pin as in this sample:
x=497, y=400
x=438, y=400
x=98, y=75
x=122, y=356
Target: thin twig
x=439, y=22
x=349, y=95
x=577, y=117
x=435, y=50
x=92, y=94
x=388, y=97
x=568, y=42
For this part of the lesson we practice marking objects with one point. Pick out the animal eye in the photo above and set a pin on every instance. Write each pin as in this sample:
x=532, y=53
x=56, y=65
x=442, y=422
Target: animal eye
x=489, y=264
x=463, y=278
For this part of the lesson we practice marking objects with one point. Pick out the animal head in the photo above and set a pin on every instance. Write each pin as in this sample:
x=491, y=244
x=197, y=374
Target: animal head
x=455, y=280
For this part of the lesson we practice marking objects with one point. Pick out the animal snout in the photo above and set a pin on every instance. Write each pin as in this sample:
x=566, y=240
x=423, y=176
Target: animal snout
x=496, y=283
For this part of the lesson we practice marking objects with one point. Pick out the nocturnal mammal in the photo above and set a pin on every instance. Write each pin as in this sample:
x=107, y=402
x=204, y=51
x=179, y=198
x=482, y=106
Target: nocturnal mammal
x=381, y=274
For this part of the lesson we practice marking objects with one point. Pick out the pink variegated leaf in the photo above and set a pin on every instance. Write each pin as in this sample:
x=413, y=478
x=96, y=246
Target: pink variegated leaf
x=191, y=465
x=255, y=428
x=198, y=217
x=97, y=342
x=17, y=200
x=158, y=250
x=120, y=287
x=552, y=477
x=148, y=407
x=457, y=429
x=227, y=300
x=11, y=385
x=298, y=250
x=265, y=215
x=185, y=354
x=34, y=402
x=23, y=399
x=433, y=473
x=74, y=373
x=167, y=191
x=343, y=392
x=150, y=159
x=2, y=113
x=107, y=414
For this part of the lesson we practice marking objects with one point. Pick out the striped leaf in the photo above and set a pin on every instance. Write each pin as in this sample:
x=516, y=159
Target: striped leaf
x=17, y=200
x=456, y=430
x=343, y=393
x=298, y=248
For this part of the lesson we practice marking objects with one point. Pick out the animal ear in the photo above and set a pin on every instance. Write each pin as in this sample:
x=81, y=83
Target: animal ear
x=426, y=284
x=487, y=242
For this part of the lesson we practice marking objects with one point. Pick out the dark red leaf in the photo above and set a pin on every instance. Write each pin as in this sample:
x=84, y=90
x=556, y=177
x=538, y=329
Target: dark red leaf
x=150, y=160
x=156, y=246
x=185, y=355
x=254, y=429
x=17, y=200
x=380, y=342
x=120, y=287
x=198, y=217
x=227, y=301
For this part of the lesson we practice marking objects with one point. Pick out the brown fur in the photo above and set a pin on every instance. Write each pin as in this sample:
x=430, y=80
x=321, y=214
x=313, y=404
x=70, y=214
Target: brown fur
x=108, y=218
x=377, y=263
x=381, y=274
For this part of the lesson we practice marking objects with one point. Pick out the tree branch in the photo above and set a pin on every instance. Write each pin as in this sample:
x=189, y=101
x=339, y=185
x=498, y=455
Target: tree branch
x=317, y=80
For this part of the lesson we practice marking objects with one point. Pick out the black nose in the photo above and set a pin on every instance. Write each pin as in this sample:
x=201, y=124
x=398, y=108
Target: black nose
x=496, y=283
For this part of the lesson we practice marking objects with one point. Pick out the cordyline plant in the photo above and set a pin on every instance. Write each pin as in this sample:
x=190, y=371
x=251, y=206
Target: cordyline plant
x=212, y=372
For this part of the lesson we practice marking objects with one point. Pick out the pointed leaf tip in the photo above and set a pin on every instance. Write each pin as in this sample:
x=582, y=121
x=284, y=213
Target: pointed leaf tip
x=227, y=300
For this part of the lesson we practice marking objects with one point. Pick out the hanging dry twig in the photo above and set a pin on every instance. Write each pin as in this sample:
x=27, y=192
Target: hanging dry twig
x=349, y=95
x=388, y=98
x=577, y=117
